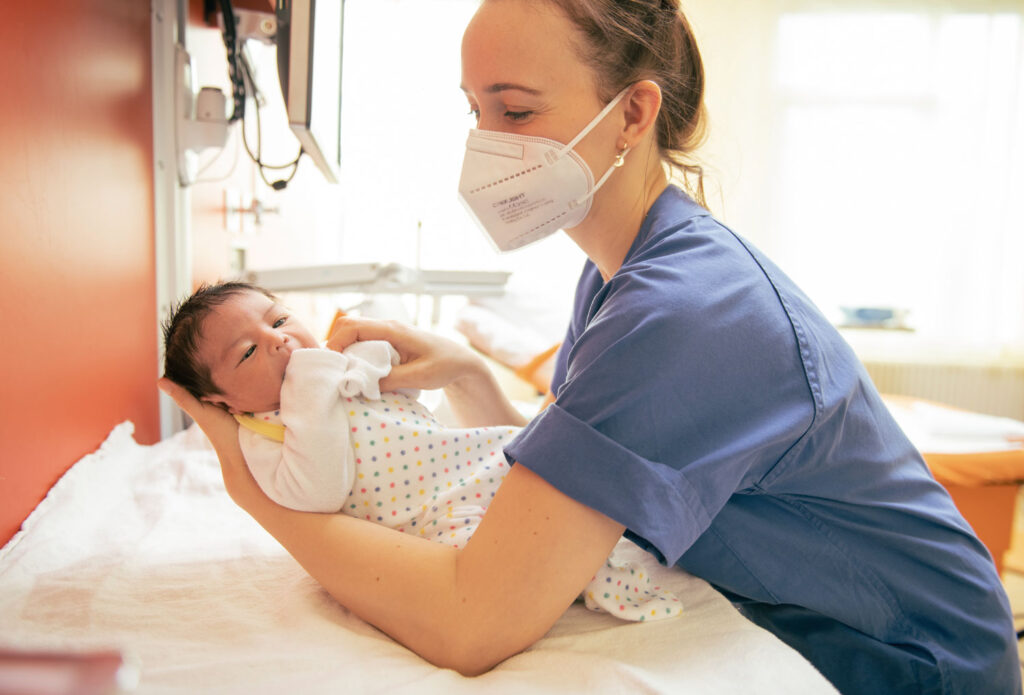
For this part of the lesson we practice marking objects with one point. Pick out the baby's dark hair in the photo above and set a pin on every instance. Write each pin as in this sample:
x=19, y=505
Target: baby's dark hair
x=183, y=331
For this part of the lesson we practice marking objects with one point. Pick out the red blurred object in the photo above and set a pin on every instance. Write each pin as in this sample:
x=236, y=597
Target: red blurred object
x=65, y=673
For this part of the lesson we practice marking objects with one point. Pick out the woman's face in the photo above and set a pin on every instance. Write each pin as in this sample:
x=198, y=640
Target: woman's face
x=521, y=74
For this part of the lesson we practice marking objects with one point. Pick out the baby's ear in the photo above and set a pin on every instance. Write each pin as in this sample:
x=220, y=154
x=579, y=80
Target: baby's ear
x=213, y=400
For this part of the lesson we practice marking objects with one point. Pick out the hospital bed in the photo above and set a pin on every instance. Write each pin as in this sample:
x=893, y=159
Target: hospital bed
x=139, y=550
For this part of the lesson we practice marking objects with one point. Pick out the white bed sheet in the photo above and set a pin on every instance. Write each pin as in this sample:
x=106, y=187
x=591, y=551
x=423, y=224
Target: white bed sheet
x=139, y=548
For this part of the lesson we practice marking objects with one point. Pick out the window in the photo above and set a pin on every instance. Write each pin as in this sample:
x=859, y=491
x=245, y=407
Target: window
x=899, y=169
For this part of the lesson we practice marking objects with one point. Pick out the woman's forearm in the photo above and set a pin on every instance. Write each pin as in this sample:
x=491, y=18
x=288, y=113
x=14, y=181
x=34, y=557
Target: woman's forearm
x=406, y=586
x=465, y=609
x=477, y=400
x=401, y=584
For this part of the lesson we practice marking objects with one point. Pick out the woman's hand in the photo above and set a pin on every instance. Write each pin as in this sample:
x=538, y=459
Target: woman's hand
x=222, y=431
x=429, y=361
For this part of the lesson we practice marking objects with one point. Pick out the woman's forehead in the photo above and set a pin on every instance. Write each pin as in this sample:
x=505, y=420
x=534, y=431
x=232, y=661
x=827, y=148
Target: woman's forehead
x=524, y=42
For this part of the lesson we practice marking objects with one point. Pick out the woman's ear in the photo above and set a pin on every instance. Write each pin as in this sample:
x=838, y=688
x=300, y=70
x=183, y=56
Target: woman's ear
x=642, y=106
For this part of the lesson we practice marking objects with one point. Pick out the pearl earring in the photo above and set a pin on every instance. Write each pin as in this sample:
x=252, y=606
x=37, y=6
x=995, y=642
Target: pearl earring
x=620, y=158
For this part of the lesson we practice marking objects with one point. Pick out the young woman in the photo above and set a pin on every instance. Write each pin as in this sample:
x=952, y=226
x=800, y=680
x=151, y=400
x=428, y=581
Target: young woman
x=703, y=405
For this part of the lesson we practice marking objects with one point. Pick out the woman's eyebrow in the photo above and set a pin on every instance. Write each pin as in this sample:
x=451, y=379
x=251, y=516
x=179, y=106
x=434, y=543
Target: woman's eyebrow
x=499, y=87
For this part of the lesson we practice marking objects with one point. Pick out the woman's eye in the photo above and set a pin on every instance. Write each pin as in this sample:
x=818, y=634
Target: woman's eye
x=475, y=113
x=252, y=349
x=518, y=115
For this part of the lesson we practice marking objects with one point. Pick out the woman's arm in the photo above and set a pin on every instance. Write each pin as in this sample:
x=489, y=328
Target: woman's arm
x=430, y=361
x=467, y=609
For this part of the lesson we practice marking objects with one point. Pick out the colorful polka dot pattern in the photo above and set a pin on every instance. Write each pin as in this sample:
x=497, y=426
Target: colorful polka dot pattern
x=627, y=591
x=415, y=475
x=418, y=476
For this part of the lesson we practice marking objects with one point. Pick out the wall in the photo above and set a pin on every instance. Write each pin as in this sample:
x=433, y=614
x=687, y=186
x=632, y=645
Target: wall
x=77, y=287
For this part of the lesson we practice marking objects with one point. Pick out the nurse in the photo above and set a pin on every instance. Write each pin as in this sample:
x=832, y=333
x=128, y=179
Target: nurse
x=702, y=405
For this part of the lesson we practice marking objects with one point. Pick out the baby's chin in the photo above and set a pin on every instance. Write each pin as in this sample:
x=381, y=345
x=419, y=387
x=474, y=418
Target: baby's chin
x=266, y=408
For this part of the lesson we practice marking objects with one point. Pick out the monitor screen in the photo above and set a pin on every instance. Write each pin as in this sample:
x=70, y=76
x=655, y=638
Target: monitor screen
x=309, y=37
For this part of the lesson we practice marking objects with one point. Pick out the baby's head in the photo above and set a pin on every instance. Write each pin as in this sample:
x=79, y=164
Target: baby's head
x=229, y=343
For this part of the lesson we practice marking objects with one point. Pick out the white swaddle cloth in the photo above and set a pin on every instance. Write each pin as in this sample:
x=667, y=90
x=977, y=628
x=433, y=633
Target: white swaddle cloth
x=369, y=361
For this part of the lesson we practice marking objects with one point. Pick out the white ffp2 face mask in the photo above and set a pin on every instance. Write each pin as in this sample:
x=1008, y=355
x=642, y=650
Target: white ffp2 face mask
x=521, y=188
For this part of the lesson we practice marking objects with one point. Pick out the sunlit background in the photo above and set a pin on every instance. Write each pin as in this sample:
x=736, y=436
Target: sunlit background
x=873, y=150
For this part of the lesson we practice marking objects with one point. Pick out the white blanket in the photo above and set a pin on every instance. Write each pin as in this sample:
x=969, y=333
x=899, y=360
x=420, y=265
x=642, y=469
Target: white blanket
x=139, y=548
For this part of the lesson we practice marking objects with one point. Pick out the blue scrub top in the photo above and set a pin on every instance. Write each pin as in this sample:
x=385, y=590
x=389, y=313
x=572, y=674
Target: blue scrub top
x=705, y=403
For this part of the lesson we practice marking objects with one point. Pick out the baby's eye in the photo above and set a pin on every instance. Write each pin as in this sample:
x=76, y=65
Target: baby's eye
x=252, y=349
x=280, y=321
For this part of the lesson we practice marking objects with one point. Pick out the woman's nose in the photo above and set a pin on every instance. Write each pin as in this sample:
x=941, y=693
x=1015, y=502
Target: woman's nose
x=486, y=123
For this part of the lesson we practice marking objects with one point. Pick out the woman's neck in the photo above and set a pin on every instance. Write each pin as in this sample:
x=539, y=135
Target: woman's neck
x=616, y=217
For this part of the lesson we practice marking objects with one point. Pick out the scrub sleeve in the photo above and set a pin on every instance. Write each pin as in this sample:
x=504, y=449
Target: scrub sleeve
x=706, y=404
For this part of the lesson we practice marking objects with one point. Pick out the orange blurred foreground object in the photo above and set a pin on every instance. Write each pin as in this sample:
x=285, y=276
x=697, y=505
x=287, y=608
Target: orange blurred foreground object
x=984, y=484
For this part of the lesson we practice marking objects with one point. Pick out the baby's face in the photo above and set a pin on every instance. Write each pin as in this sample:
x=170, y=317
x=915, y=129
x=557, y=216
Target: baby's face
x=247, y=342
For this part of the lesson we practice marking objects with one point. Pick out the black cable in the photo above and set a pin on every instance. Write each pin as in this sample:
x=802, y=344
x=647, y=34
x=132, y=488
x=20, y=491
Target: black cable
x=257, y=157
x=231, y=44
x=240, y=74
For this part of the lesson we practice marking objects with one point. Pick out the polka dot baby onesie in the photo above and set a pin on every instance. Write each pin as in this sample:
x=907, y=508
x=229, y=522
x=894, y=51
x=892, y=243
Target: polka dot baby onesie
x=417, y=476
x=337, y=444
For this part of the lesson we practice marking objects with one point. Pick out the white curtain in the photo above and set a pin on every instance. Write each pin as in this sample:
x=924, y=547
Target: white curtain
x=876, y=152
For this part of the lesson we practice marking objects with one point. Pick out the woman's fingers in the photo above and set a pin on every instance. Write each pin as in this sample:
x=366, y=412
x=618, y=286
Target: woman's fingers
x=185, y=400
x=196, y=409
x=222, y=430
x=417, y=374
x=220, y=427
x=428, y=361
x=348, y=330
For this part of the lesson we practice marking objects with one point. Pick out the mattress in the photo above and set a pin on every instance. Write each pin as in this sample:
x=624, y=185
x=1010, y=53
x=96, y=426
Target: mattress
x=139, y=549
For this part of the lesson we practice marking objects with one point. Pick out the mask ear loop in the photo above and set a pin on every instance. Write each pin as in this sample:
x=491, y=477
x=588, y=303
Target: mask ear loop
x=620, y=158
x=597, y=119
